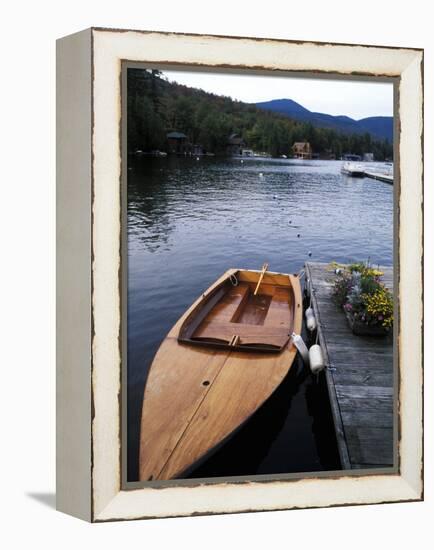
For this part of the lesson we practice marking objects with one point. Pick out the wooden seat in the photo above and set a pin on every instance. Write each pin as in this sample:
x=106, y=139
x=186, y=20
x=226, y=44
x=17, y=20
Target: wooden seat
x=264, y=319
x=249, y=334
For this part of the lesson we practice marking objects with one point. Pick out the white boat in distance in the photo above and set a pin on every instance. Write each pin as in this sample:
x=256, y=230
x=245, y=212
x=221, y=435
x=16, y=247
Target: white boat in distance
x=352, y=169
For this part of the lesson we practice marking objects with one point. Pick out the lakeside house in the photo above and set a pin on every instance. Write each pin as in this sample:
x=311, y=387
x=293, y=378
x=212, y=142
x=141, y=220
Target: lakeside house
x=235, y=145
x=177, y=143
x=302, y=150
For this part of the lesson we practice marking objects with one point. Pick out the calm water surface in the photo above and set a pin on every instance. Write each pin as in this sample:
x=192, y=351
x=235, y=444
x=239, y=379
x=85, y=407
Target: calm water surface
x=189, y=221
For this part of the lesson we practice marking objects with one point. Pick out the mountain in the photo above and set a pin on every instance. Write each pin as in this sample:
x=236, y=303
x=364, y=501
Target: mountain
x=380, y=127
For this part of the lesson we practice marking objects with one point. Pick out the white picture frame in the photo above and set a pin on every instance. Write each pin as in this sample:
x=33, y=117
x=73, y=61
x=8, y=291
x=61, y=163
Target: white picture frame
x=89, y=154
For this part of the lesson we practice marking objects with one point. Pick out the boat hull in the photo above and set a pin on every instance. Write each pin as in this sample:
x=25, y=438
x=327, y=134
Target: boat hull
x=354, y=173
x=196, y=396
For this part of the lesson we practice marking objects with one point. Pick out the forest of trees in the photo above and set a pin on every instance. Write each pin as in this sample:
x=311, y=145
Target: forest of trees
x=157, y=106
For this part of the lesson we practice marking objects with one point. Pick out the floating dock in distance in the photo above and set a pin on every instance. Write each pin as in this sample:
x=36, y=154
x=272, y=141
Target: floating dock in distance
x=379, y=176
x=359, y=377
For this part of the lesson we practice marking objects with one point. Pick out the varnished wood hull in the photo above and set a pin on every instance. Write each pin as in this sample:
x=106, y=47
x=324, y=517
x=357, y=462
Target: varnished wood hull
x=196, y=396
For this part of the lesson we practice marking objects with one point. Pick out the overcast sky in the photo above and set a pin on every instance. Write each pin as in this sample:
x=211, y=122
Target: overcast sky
x=334, y=97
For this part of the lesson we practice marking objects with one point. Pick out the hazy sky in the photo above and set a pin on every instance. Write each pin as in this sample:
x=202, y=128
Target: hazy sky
x=334, y=97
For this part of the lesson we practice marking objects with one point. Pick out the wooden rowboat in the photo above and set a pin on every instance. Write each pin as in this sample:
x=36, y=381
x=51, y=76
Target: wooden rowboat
x=218, y=364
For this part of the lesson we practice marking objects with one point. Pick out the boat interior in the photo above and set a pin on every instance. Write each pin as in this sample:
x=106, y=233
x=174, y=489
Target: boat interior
x=232, y=316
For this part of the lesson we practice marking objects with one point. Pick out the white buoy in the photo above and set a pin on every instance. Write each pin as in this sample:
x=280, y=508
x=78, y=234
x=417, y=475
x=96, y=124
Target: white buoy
x=316, y=359
x=261, y=175
x=310, y=319
x=301, y=347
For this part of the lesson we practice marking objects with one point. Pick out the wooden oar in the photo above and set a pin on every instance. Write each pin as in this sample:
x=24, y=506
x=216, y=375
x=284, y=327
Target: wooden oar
x=264, y=269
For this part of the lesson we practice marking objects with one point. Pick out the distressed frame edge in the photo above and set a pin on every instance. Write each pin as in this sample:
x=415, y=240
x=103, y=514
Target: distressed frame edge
x=411, y=326
x=158, y=508
x=251, y=38
x=73, y=275
x=413, y=492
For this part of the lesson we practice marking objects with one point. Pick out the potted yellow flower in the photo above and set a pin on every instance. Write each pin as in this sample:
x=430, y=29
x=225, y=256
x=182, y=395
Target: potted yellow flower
x=367, y=303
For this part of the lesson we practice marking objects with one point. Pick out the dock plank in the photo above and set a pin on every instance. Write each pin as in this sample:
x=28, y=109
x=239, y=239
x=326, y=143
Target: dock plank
x=360, y=377
x=387, y=178
x=370, y=445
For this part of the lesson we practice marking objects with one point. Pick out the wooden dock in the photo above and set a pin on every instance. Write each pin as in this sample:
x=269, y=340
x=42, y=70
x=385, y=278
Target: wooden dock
x=379, y=176
x=359, y=377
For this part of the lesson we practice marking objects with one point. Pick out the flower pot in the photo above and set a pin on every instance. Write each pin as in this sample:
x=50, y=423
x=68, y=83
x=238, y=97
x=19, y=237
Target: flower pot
x=362, y=329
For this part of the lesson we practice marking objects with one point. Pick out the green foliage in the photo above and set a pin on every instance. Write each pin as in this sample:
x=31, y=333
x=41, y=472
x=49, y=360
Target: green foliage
x=369, y=284
x=156, y=107
x=342, y=288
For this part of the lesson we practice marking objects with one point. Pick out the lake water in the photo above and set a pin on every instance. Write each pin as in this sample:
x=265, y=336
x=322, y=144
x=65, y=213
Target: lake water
x=189, y=221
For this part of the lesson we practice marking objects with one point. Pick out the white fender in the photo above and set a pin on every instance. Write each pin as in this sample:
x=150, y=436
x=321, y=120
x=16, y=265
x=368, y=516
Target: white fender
x=310, y=319
x=316, y=359
x=301, y=347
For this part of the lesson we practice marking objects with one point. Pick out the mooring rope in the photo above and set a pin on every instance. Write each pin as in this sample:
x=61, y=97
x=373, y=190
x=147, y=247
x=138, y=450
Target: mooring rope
x=233, y=279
